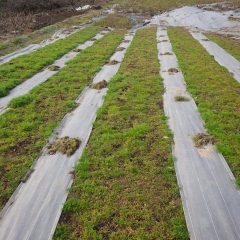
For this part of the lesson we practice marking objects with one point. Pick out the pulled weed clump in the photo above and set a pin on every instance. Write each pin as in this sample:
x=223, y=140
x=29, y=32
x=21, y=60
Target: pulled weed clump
x=216, y=91
x=125, y=185
x=64, y=145
x=99, y=85
x=119, y=49
x=21, y=68
x=203, y=139
x=25, y=129
x=161, y=41
x=181, y=98
x=172, y=71
x=53, y=68
x=77, y=50
x=166, y=54
x=113, y=62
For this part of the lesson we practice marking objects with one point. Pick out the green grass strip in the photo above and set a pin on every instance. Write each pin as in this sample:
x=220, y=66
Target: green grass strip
x=24, y=130
x=19, y=69
x=232, y=46
x=125, y=185
x=216, y=93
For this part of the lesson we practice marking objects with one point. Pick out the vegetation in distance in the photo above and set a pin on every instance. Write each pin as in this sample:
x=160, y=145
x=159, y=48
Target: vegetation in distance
x=216, y=93
x=157, y=6
x=19, y=69
x=115, y=21
x=232, y=46
x=26, y=127
x=16, y=42
x=125, y=185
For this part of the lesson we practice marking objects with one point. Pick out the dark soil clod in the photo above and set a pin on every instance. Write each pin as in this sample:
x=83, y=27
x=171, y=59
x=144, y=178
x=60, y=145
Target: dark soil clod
x=203, y=139
x=181, y=99
x=205, y=39
x=100, y=85
x=126, y=41
x=64, y=145
x=173, y=70
x=53, y=68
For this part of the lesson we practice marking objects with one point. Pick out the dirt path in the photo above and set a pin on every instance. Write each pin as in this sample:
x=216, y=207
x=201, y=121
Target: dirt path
x=44, y=75
x=34, y=209
x=210, y=199
x=220, y=55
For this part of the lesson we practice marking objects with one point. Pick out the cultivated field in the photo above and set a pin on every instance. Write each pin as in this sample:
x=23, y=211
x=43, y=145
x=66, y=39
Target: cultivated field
x=125, y=126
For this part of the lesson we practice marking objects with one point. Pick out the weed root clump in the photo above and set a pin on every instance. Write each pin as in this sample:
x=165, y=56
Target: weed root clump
x=166, y=54
x=172, y=71
x=77, y=50
x=119, y=49
x=203, y=139
x=65, y=145
x=53, y=68
x=181, y=99
x=113, y=62
x=100, y=85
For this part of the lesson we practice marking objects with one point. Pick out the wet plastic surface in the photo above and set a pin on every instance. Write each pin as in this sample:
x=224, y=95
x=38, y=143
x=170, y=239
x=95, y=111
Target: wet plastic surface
x=34, y=210
x=210, y=199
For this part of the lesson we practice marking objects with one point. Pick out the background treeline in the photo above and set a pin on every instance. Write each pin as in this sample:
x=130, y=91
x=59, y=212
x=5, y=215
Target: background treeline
x=36, y=5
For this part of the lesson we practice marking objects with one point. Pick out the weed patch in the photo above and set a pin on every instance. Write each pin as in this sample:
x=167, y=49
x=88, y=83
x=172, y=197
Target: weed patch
x=125, y=185
x=19, y=69
x=216, y=93
x=24, y=130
